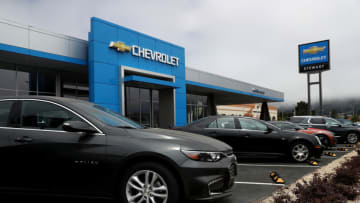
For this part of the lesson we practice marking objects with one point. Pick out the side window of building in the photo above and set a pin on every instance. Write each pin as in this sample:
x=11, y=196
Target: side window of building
x=317, y=121
x=213, y=124
x=44, y=115
x=226, y=123
x=5, y=109
x=250, y=124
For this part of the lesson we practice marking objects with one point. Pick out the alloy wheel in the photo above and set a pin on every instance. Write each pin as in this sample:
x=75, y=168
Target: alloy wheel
x=352, y=138
x=146, y=186
x=300, y=152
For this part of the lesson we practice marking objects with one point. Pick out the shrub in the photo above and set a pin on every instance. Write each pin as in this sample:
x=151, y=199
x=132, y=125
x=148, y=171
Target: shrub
x=336, y=188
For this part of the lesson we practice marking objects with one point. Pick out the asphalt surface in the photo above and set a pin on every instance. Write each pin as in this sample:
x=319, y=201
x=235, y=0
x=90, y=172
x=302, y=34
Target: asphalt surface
x=252, y=182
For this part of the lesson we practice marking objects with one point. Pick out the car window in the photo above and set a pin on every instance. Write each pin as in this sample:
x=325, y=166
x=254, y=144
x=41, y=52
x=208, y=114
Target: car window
x=317, y=121
x=284, y=126
x=107, y=116
x=227, y=123
x=5, y=108
x=297, y=119
x=44, y=115
x=213, y=124
x=332, y=122
x=251, y=124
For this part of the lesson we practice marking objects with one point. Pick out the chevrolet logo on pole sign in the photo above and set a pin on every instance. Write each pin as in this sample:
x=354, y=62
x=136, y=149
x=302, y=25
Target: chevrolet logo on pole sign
x=314, y=57
x=313, y=50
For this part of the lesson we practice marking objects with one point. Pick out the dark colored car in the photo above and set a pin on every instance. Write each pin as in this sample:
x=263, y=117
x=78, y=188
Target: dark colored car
x=250, y=136
x=349, y=134
x=61, y=146
x=326, y=137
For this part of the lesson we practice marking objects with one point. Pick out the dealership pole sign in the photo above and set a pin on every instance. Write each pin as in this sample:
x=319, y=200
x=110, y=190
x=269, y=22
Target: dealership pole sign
x=314, y=57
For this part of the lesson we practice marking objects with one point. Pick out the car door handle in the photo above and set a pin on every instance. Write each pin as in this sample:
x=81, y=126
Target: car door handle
x=213, y=133
x=23, y=139
x=246, y=136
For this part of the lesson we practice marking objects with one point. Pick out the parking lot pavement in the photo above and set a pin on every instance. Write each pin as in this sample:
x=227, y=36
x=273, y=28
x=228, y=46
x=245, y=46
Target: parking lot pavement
x=252, y=183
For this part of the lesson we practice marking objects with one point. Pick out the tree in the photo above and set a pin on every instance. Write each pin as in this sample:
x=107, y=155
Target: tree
x=301, y=108
x=334, y=113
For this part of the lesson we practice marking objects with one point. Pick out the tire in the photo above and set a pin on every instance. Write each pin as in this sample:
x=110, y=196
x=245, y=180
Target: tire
x=134, y=181
x=352, y=138
x=300, y=152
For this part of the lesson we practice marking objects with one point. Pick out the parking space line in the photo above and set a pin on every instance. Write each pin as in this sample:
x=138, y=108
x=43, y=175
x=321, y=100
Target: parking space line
x=290, y=166
x=257, y=183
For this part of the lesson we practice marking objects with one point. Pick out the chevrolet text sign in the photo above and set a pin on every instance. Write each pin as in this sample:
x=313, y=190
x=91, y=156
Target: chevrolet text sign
x=314, y=57
x=145, y=53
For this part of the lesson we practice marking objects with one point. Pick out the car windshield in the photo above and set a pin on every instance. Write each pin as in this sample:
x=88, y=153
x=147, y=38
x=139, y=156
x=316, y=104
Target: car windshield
x=347, y=122
x=107, y=116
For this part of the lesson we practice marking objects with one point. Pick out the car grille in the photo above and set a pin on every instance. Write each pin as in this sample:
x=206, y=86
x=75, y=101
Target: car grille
x=223, y=183
x=217, y=185
x=232, y=170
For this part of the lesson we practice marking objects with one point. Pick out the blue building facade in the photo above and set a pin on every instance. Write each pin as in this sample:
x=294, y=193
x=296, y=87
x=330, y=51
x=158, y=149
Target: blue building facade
x=106, y=65
x=137, y=75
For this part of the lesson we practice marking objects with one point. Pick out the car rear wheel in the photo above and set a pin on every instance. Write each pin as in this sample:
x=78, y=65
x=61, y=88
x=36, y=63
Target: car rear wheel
x=352, y=138
x=300, y=152
x=149, y=183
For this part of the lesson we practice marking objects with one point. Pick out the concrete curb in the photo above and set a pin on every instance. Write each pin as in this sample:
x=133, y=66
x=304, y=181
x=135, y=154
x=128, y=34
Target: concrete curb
x=323, y=171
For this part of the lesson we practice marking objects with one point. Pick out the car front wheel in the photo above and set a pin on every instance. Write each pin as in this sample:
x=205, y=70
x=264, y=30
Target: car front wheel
x=300, y=152
x=352, y=138
x=149, y=183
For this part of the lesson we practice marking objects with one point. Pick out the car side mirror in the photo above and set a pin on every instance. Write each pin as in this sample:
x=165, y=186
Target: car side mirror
x=78, y=126
x=269, y=130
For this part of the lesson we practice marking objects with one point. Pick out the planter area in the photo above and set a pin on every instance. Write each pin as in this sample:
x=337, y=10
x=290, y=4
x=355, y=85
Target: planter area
x=337, y=182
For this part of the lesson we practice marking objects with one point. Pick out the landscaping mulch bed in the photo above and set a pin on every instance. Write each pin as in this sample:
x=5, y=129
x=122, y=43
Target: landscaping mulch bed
x=339, y=181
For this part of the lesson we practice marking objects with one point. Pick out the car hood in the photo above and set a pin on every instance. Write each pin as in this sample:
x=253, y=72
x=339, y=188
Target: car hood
x=187, y=141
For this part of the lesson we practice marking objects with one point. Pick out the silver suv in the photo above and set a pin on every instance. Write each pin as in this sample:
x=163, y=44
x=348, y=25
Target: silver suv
x=349, y=134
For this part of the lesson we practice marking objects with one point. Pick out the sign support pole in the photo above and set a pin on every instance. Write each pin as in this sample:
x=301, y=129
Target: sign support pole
x=320, y=94
x=309, y=93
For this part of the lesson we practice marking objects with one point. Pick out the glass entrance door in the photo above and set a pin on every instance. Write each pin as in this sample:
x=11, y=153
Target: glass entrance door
x=142, y=106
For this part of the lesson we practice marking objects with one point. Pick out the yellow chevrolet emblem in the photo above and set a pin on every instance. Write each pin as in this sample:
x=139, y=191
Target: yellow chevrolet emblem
x=119, y=46
x=313, y=50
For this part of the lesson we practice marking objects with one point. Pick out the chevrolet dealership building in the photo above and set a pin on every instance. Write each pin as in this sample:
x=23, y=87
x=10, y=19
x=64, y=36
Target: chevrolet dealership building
x=140, y=76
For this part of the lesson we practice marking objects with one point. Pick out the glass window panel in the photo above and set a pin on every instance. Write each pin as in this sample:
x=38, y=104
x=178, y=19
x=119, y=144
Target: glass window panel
x=5, y=108
x=188, y=98
x=26, y=80
x=5, y=92
x=317, y=121
x=213, y=124
x=44, y=115
x=205, y=100
x=145, y=107
x=227, y=123
x=250, y=124
x=332, y=122
x=8, y=79
x=155, y=109
x=47, y=82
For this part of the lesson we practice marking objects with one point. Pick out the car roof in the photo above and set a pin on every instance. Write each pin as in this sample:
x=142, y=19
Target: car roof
x=48, y=98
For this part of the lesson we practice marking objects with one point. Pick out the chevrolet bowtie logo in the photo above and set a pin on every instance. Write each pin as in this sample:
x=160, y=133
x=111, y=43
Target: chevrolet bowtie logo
x=119, y=46
x=313, y=50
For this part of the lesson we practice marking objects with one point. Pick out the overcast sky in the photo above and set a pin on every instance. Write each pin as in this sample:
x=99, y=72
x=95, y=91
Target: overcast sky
x=254, y=41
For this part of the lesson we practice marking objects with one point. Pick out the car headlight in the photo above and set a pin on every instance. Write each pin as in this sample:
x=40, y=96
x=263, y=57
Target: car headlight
x=204, y=156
